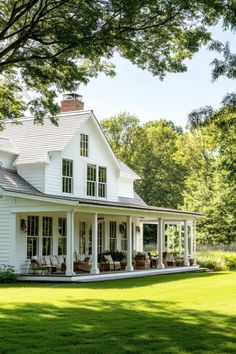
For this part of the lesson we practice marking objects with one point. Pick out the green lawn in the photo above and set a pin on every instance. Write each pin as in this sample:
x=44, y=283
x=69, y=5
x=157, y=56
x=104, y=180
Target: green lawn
x=183, y=313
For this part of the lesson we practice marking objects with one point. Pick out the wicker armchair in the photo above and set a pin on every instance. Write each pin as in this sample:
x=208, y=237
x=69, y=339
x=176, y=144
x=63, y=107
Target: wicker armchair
x=113, y=265
x=83, y=266
x=142, y=261
x=168, y=259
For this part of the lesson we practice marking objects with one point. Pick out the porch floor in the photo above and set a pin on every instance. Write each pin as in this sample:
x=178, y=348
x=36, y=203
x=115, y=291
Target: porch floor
x=87, y=278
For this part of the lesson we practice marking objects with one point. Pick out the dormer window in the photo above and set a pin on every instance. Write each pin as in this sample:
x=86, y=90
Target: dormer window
x=84, y=145
x=67, y=176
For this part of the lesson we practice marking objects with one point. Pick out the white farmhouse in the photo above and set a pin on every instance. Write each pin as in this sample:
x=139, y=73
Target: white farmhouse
x=63, y=192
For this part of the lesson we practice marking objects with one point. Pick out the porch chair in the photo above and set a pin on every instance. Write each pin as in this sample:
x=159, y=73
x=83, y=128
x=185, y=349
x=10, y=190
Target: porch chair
x=169, y=259
x=142, y=261
x=114, y=265
x=38, y=266
x=85, y=265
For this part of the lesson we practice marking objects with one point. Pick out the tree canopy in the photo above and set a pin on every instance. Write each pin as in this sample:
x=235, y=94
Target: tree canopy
x=50, y=46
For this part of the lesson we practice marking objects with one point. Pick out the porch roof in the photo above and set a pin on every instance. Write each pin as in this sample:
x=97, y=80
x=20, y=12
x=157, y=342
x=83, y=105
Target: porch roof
x=11, y=182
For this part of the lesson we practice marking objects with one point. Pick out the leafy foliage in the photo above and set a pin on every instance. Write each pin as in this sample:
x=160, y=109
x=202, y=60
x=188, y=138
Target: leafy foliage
x=218, y=260
x=49, y=46
x=7, y=274
x=150, y=150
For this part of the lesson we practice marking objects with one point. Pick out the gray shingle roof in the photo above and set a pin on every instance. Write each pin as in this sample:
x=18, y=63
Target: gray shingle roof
x=10, y=181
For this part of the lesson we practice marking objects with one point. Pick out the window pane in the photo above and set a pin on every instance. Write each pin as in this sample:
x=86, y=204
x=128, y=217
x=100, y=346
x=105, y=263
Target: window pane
x=102, y=175
x=32, y=246
x=47, y=226
x=46, y=251
x=33, y=225
x=62, y=226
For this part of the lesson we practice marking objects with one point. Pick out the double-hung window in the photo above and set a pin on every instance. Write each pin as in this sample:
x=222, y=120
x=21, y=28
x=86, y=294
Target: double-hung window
x=92, y=180
x=96, y=181
x=67, y=176
x=84, y=145
x=32, y=236
x=47, y=236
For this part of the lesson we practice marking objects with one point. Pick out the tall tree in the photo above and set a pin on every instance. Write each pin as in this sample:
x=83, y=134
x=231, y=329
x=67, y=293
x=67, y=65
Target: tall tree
x=209, y=152
x=53, y=45
x=150, y=150
x=162, y=176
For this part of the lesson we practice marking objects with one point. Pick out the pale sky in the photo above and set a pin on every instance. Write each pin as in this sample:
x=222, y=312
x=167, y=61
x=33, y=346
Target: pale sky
x=138, y=92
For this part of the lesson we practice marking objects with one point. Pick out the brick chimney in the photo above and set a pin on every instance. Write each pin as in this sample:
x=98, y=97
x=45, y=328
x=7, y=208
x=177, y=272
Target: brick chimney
x=72, y=102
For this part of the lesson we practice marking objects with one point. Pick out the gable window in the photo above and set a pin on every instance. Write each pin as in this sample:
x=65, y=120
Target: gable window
x=91, y=180
x=67, y=176
x=102, y=181
x=32, y=236
x=84, y=145
x=96, y=181
x=62, y=236
x=47, y=236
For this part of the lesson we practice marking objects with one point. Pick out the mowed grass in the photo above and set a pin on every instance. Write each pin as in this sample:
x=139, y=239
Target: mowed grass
x=182, y=313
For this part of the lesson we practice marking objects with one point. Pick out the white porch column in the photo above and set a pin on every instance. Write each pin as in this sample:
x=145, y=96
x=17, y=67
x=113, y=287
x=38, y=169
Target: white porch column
x=180, y=239
x=186, y=261
x=161, y=235
x=129, y=267
x=70, y=244
x=168, y=237
x=14, y=231
x=194, y=244
x=191, y=239
x=94, y=268
x=140, y=240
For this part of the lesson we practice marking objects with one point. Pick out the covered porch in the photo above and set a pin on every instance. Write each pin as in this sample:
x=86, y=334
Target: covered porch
x=91, y=230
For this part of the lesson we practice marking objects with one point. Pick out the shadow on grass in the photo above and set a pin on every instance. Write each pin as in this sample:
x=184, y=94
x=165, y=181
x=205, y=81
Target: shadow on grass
x=113, y=327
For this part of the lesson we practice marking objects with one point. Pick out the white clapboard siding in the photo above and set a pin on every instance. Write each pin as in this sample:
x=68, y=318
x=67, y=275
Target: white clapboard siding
x=34, y=174
x=5, y=230
x=7, y=159
x=125, y=187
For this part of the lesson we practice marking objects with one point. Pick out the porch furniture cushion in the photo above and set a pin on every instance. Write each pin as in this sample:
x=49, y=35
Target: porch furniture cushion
x=60, y=259
x=54, y=261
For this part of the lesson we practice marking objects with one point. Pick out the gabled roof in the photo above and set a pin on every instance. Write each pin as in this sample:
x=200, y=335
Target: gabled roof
x=11, y=182
x=125, y=171
x=34, y=141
